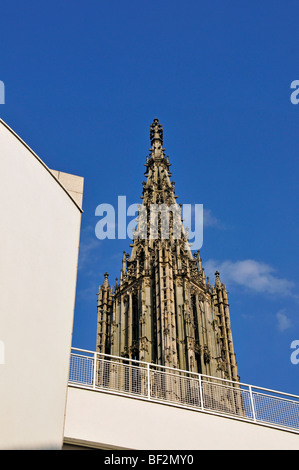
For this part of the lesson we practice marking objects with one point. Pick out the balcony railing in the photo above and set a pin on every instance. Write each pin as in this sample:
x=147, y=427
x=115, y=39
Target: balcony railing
x=186, y=389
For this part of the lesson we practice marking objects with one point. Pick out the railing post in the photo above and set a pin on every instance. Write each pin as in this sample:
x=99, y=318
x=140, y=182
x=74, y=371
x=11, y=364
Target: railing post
x=252, y=403
x=200, y=390
x=148, y=382
x=94, y=370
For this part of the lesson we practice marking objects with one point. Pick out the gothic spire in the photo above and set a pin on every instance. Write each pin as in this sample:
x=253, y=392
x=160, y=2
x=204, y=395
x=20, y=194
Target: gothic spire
x=163, y=309
x=158, y=188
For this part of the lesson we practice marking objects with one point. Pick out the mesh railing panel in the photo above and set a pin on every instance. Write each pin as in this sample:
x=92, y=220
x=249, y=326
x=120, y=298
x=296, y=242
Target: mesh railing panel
x=81, y=369
x=121, y=377
x=275, y=410
x=225, y=398
x=174, y=388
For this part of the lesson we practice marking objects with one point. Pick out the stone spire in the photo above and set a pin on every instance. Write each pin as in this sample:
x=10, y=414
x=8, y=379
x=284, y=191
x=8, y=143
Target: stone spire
x=163, y=310
x=106, y=282
x=157, y=168
x=217, y=281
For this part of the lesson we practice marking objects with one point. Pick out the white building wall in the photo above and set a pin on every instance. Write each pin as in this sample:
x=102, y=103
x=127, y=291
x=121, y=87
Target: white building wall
x=39, y=240
x=104, y=420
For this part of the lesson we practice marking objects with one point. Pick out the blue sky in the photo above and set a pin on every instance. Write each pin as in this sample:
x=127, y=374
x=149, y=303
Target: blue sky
x=84, y=81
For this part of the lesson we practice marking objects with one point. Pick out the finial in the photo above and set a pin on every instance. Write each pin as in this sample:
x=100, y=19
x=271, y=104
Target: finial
x=106, y=282
x=217, y=282
x=156, y=131
x=199, y=259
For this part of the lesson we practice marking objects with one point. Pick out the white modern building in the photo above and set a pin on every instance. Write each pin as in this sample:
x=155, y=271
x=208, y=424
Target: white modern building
x=39, y=241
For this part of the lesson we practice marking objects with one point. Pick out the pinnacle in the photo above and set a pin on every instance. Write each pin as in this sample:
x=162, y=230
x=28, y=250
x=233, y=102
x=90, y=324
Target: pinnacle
x=156, y=131
x=106, y=282
x=217, y=281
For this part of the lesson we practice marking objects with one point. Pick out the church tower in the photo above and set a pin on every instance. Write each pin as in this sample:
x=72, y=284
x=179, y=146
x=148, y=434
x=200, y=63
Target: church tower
x=163, y=310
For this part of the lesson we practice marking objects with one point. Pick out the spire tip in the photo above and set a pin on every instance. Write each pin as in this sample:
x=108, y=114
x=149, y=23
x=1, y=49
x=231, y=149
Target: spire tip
x=156, y=131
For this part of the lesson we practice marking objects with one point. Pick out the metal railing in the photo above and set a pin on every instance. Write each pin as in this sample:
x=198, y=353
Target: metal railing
x=186, y=389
